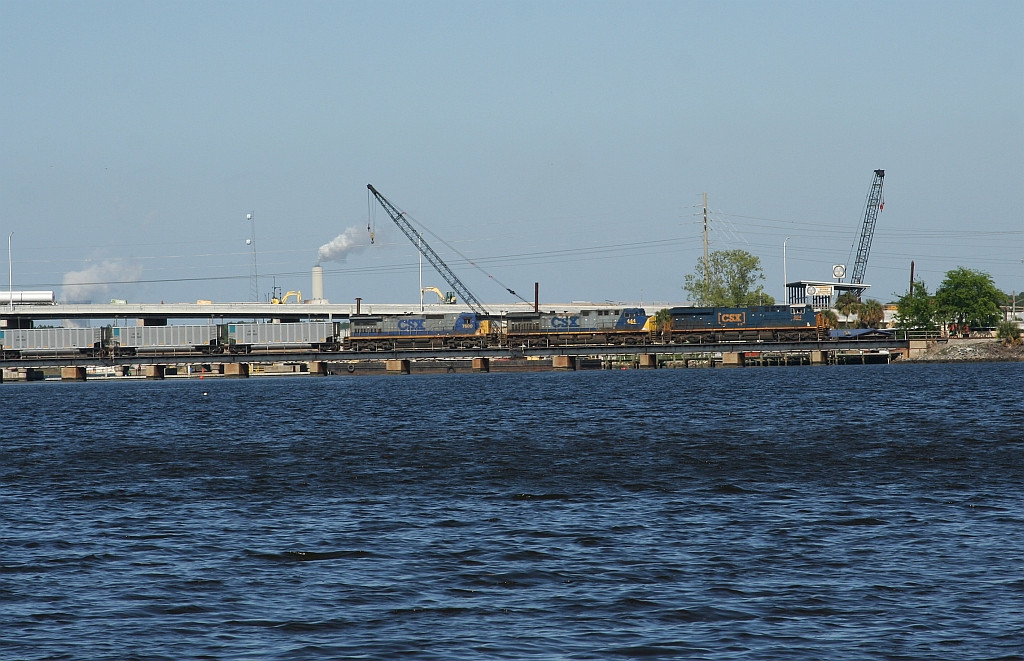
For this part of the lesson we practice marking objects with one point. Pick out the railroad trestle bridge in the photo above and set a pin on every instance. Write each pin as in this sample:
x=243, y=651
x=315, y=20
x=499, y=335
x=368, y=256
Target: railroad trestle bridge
x=564, y=357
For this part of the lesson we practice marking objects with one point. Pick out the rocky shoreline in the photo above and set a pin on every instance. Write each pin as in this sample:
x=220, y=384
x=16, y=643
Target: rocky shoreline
x=972, y=350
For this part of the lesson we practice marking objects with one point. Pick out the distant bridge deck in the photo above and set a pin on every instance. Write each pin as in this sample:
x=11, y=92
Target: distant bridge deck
x=301, y=311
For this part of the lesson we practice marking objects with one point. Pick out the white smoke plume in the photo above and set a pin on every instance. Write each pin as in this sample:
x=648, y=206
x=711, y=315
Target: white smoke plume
x=96, y=282
x=339, y=248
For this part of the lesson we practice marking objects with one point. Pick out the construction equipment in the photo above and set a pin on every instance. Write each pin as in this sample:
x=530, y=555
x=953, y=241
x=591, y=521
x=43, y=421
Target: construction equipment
x=874, y=204
x=435, y=260
x=279, y=300
x=448, y=298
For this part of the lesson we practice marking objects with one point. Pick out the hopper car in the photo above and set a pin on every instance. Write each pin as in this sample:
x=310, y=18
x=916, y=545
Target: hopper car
x=205, y=339
x=225, y=338
x=62, y=342
x=133, y=340
x=304, y=335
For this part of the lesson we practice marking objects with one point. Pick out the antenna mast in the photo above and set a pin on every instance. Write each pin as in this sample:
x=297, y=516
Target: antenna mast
x=707, y=264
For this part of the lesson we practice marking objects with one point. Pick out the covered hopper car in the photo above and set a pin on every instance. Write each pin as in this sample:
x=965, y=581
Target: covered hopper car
x=133, y=340
x=201, y=339
x=25, y=342
x=303, y=335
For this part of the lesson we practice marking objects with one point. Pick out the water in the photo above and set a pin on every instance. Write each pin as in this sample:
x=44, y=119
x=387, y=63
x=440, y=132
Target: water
x=777, y=513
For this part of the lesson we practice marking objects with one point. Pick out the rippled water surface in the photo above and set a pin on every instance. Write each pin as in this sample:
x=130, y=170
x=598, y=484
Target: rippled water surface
x=773, y=513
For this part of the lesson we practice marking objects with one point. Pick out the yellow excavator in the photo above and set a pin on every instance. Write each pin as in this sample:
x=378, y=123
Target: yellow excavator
x=284, y=299
x=447, y=297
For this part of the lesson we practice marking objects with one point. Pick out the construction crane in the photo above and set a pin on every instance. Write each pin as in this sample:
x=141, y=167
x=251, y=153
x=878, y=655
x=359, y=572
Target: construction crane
x=871, y=208
x=435, y=260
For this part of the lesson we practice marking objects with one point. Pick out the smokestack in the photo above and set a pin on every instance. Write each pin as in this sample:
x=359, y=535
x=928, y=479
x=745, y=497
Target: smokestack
x=536, y=297
x=359, y=303
x=318, y=283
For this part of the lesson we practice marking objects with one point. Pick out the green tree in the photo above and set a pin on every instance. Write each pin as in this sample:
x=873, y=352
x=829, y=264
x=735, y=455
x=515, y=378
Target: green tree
x=1008, y=332
x=731, y=280
x=848, y=305
x=968, y=297
x=916, y=309
x=871, y=313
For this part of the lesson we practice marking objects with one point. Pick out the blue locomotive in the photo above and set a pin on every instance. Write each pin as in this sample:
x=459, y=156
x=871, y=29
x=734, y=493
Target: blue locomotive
x=460, y=330
x=613, y=327
x=766, y=323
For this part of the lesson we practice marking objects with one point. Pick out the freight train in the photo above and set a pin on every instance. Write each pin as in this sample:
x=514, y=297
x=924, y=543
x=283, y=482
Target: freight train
x=599, y=327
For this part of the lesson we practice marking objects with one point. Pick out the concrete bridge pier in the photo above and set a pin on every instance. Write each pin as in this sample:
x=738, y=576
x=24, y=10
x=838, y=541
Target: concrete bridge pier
x=155, y=372
x=481, y=365
x=647, y=361
x=732, y=359
x=72, y=374
x=397, y=366
x=563, y=362
x=918, y=348
x=316, y=368
x=238, y=370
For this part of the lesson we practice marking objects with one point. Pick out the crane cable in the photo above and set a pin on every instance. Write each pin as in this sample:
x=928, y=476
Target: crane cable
x=466, y=259
x=371, y=216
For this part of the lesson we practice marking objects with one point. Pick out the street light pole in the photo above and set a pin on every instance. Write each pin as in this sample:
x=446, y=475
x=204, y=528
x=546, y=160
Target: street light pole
x=254, y=283
x=785, y=278
x=10, y=272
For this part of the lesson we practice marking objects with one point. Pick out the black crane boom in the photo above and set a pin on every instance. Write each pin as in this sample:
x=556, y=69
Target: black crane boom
x=867, y=230
x=435, y=260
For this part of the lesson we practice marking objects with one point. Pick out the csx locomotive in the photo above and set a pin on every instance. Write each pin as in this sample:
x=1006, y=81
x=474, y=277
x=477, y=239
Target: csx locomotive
x=468, y=330
x=461, y=330
x=629, y=326
x=767, y=323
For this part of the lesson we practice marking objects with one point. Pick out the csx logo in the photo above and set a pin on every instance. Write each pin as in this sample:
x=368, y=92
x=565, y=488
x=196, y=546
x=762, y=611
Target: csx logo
x=565, y=322
x=411, y=325
x=732, y=317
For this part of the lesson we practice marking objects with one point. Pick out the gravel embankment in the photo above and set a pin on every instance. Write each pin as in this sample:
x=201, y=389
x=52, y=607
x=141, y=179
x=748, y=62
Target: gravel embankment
x=973, y=350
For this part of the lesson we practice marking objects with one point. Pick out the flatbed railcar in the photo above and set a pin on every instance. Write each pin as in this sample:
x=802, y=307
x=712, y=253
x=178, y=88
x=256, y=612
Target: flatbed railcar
x=460, y=330
x=767, y=323
x=611, y=327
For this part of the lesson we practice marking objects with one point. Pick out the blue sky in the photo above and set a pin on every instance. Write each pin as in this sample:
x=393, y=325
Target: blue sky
x=565, y=143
